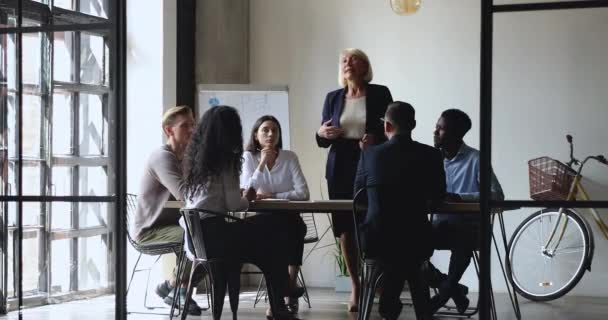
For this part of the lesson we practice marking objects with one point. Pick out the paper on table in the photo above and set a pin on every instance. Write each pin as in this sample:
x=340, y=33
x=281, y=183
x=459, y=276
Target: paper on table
x=273, y=200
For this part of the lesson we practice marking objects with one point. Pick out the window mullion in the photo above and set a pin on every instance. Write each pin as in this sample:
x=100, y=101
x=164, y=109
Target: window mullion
x=46, y=75
x=76, y=152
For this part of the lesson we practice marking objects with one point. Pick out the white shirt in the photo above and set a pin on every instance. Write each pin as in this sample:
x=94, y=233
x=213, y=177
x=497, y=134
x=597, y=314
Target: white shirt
x=285, y=180
x=353, y=118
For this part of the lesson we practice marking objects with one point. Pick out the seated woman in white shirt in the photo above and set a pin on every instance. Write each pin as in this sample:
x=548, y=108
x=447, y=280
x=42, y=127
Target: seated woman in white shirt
x=276, y=173
x=213, y=164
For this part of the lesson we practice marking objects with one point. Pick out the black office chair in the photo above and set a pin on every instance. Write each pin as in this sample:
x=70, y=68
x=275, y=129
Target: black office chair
x=156, y=249
x=311, y=236
x=371, y=273
x=210, y=265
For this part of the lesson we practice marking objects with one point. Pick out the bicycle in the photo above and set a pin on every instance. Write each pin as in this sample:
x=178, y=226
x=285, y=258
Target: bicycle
x=551, y=249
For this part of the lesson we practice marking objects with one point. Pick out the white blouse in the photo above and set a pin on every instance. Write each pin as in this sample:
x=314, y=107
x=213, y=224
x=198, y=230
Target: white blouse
x=284, y=181
x=353, y=118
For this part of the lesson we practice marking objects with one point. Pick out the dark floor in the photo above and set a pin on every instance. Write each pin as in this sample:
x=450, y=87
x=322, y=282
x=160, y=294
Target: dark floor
x=326, y=304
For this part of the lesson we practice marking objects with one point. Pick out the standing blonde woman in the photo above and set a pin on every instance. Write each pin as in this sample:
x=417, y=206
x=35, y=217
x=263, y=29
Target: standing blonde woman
x=350, y=122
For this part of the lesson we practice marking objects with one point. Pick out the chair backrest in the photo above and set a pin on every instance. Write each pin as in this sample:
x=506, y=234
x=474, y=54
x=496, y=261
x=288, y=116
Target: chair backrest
x=194, y=232
x=311, y=228
x=131, y=204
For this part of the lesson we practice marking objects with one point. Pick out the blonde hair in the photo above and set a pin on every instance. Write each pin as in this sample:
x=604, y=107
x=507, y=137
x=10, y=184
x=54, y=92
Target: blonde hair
x=170, y=115
x=359, y=54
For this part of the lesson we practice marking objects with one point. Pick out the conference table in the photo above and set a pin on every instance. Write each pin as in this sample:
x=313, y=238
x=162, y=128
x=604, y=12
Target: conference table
x=346, y=207
x=325, y=206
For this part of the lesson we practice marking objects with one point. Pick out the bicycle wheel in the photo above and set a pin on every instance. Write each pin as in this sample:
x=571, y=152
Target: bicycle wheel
x=543, y=275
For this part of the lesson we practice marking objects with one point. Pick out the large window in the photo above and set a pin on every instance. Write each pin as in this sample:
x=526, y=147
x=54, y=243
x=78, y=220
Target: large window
x=57, y=167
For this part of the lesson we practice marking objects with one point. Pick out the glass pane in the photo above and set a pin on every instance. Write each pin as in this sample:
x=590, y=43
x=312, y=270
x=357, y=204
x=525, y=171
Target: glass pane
x=92, y=59
x=61, y=217
x=63, y=56
x=62, y=181
x=10, y=283
x=93, y=181
x=31, y=126
x=31, y=252
x=93, y=214
x=60, y=266
x=98, y=8
x=32, y=58
x=560, y=90
x=8, y=14
x=65, y=4
x=93, y=257
x=32, y=180
x=62, y=124
x=8, y=108
x=93, y=132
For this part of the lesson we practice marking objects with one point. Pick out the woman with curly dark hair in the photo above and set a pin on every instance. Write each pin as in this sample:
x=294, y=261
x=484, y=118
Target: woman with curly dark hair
x=213, y=165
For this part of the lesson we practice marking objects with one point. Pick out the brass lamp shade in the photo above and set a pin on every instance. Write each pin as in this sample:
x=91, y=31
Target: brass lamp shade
x=405, y=7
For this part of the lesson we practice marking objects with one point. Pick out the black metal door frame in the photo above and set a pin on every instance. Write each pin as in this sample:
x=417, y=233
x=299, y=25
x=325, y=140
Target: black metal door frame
x=488, y=9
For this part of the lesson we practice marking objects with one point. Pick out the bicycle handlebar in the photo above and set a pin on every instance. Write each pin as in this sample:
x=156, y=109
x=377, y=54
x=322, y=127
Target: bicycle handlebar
x=574, y=161
x=601, y=159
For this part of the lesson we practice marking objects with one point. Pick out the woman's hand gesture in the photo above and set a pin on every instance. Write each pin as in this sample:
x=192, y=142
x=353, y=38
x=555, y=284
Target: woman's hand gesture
x=328, y=131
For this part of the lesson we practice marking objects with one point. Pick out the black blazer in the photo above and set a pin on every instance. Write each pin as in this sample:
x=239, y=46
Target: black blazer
x=377, y=99
x=405, y=180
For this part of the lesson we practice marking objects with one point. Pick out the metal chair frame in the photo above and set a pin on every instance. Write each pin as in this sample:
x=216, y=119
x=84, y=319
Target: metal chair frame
x=157, y=249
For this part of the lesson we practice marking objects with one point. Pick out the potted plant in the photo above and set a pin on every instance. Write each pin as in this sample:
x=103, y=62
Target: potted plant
x=343, y=283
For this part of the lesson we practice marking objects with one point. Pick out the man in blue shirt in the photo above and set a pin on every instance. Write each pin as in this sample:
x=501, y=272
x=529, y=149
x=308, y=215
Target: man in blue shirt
x=457, y=233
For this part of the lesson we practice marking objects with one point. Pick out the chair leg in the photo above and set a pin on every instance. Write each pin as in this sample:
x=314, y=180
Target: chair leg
x=260, y=293
x=218, y=289
x=207, y=284
x=195, y=265
x=181, y=263
x=234, y=288
x=148, y=284
x=303, y=283
x=372, y=272
x=133, y=272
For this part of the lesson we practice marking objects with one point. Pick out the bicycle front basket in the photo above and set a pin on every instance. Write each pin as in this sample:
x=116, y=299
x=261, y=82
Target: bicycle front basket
x=549, y=179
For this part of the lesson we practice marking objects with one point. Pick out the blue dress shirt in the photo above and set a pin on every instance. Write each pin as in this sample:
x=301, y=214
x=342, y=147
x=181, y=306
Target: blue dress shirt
x=462, y=178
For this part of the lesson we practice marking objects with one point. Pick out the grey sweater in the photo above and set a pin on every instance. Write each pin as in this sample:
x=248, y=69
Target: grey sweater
x=163, y=176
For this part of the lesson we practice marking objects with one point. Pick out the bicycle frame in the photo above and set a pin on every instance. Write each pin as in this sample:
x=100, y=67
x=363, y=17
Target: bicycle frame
x=576, y=191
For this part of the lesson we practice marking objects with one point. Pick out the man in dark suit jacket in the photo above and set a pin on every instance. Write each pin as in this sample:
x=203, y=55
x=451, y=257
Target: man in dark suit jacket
x=405, y=180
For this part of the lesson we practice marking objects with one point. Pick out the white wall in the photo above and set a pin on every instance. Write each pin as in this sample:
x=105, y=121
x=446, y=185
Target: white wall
x=151, y=72
x=151, y=65
x=548, y=67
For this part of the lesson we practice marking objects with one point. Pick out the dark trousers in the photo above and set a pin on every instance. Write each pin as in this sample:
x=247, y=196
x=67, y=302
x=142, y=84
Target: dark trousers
x=395, y=274
x=260, y=241
x=461, y=237
x=295, y=230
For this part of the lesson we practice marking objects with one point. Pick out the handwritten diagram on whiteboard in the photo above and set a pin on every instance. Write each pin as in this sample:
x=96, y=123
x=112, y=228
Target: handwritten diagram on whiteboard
x=251, y=102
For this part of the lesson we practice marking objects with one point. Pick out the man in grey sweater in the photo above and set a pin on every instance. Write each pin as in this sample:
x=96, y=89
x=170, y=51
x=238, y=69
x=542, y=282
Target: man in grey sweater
x=163, y=179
